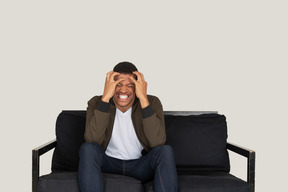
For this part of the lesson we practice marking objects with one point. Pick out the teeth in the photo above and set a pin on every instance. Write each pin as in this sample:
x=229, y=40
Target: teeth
x=123, y=96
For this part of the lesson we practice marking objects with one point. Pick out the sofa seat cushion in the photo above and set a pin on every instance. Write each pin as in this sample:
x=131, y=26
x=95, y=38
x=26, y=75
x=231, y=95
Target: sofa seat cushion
x=207, y=182
x=68, y=181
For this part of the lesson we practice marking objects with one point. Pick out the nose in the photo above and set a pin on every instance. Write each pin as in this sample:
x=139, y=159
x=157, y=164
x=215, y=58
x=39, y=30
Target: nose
x=123, y=89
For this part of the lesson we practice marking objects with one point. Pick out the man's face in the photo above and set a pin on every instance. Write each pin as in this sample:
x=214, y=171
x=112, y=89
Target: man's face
x=124, y=95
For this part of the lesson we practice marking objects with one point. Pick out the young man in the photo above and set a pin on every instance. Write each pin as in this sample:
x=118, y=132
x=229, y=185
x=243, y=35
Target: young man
x=125, y=134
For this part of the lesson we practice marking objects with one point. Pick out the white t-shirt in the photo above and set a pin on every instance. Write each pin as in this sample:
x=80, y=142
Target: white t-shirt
x=124, y=143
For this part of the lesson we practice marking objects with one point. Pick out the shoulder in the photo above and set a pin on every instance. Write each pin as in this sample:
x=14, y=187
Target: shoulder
x=95, y=100
x=154, y=100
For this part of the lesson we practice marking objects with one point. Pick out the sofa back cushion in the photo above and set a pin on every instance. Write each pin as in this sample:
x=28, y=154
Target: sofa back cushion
x=70, y=127
x=199, y=141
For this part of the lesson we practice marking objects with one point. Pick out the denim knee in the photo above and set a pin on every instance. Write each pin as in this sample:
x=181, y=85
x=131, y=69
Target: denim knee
x=164, y=151
x=90, y=150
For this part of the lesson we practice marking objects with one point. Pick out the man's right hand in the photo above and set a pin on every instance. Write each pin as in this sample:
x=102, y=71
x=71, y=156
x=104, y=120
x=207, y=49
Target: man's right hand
x=110, y=85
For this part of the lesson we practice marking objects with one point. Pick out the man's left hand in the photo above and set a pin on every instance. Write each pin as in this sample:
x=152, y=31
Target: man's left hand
x=140, y=88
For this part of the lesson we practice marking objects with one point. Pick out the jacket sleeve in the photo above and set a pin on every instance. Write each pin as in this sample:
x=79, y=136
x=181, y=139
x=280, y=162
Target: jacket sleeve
x=97, y=119
x=153, y=123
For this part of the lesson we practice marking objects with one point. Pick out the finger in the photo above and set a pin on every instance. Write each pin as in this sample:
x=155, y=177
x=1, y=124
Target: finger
x=142, y=76
x=119, y=80
x=109, y=74
x=139, y=75
x=132, y=78
x=113, y=75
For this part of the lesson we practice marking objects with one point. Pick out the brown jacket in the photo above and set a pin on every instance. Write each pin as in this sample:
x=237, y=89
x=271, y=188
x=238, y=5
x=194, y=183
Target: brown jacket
x=148, y=122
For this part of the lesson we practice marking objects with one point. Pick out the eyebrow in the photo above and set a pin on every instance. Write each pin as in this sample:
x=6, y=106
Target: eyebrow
x=127, y=84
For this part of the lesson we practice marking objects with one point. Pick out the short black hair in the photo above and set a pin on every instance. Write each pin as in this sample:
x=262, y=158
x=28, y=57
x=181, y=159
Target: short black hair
x=125, y=67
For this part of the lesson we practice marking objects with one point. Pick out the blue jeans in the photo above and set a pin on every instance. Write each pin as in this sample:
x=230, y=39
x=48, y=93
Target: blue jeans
x=159, y=164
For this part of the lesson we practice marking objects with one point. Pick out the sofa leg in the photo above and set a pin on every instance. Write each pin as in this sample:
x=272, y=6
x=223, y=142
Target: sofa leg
x=35, y=170
x=251, y=170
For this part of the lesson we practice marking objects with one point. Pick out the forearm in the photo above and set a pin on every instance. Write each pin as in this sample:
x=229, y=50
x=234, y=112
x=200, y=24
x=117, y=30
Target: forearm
x=144, y=102
x=97, y=119
x=153, y=122
x=154, y=130
x=96, y=127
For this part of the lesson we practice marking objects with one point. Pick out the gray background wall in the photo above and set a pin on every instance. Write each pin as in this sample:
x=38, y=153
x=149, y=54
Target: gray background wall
x=228, y=56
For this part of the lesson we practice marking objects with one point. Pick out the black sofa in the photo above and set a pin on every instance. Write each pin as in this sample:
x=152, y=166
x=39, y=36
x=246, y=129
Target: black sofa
x=198, y=140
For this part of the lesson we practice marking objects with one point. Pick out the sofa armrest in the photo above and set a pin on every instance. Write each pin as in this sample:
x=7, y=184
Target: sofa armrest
x=36, y=153
x=250, y=155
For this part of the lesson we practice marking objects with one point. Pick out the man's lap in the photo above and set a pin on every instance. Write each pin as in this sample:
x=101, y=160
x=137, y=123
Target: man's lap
x=142, y=168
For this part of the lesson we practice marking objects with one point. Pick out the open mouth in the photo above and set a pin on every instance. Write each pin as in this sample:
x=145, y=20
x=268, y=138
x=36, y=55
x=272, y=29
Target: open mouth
x=123, y=97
